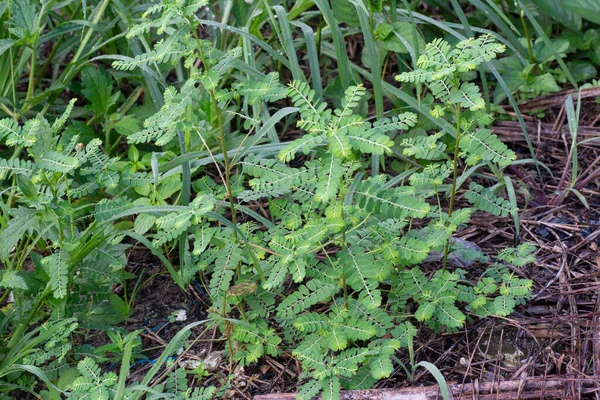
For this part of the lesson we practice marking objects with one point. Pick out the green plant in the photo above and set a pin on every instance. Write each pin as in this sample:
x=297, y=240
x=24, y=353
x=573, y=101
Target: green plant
x=48, y=211
x=349, y=244
x=301, y=244
x=88, y=381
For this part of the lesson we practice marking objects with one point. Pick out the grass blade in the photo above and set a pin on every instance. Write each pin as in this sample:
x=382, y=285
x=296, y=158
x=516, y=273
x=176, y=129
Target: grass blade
x=501, y=21
x=288, y=43
x=169, y=349
x=438, y=377
x=573, y=122
x=313, y=58
x=375, y=66
x=341, y=56
x=125, y=368
x=263, y=131
x=186, y=190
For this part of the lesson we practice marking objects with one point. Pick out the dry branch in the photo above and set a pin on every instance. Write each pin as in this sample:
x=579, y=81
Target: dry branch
x=555, y=99
x=536, y=388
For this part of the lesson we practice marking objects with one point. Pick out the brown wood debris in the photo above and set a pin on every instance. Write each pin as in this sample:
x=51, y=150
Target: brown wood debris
x=535, y=388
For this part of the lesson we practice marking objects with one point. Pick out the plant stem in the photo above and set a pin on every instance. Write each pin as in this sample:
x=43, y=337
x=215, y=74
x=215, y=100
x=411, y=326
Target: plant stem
x=344, y=285
x=225, y=161
x=31, y=77
x=528, y=38
x=454, y=179
x=455, y=163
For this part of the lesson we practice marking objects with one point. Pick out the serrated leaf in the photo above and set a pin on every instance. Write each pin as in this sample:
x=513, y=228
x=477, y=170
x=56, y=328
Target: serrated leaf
x=98, y=86
x=57, y=268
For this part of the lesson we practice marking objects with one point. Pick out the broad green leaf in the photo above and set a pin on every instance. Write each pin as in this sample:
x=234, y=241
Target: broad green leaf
x=560, y=13
x=98, y=87
x=588, y=9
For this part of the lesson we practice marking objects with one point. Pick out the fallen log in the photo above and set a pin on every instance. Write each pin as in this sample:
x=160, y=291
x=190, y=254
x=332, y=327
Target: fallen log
x=535, y=388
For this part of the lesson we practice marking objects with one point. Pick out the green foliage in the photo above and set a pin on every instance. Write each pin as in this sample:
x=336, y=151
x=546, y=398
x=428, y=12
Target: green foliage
x=485, y=200
x=294, y=245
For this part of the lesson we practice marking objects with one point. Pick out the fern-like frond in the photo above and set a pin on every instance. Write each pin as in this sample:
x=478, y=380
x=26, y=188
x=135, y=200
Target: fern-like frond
x=432, y=175
x=391, y=203
x=57, y=162
x=57, y=268
x=416, y=76
x=82, y=190
x=16, y=134
x=305, y=143
x=171, y=226
x=311, y=323
x=485, y=200
x=371, y=142
x=359, y=272
x=347, y=361
x=471, y=52
x=484, y=145
x=450, y=315
x=358, y=329
x=305, y=297
x=330, y=173
x=107, y=209
x=98, y=160
x=268, y=89
x=225, y=61
x=412, y=250
x=351, y=98
x=425, y=147
x=396, y=123
x=339, y=144
x=176, y=382
x=381, y=367
x=60, y=122
x=519, y=256
x=331, y=388
x=228, y=258
x=437, y=55
x=169, y=50
x=309, y=390
x=302, y=96
x=504, y=305
x=378, y=317
x=137, y=179
x=442, y=89
x=192, y=6
x=468, y=96
x=90, y=370
x=289, y=214
x=276, y=275
x=275, y=178
x=11, y=128
x=23, y=167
